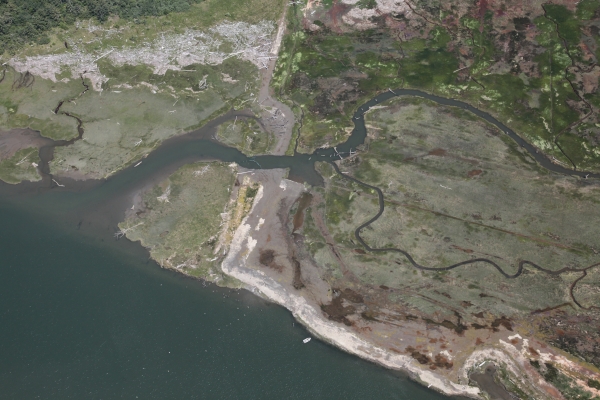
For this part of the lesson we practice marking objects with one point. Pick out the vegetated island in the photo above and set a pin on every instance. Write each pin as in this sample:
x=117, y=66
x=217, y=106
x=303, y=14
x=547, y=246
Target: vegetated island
x=438, y=246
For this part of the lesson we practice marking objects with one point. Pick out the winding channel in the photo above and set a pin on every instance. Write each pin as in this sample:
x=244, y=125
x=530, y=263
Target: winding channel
x=201, y=145
x=540, y=158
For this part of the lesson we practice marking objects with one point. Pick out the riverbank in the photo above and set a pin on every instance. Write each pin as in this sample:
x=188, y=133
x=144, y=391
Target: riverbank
x=266, y=229
x=90, y=317
x=240, y=263
x=306, y=295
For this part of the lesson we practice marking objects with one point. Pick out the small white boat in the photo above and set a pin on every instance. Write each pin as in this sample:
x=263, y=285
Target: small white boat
x=137, y=164
x=306, y=340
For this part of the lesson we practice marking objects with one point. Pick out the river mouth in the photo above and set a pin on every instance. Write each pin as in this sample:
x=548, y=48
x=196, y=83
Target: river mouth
x=82, y=318
x=95, y=207
x=98, y=206
x=200, y=145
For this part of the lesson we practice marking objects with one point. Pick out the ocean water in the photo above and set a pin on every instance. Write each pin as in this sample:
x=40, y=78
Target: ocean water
x=83, y=316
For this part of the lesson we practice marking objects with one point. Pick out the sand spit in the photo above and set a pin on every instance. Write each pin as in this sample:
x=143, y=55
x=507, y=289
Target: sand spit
x=237, y=265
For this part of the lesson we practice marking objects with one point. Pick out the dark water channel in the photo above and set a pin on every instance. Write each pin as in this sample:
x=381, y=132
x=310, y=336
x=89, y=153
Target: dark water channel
x=487, y=381
x=85, y=316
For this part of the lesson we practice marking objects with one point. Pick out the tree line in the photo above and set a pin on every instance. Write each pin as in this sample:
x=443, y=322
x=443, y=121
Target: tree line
x=28, y=21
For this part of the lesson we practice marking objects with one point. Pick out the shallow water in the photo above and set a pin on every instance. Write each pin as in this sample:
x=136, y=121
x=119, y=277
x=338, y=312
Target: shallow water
x=85, y=317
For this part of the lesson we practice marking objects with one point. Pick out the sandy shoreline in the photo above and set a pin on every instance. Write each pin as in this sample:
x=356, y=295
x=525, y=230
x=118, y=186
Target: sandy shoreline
x=236, y=265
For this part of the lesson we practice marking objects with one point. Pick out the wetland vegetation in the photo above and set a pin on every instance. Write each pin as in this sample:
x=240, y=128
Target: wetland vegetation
x=543, y=86
x=456, y=196
x=179, y=220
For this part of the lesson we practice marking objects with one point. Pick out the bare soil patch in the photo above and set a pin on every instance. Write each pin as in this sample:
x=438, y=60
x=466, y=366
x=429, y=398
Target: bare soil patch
x=267, y=258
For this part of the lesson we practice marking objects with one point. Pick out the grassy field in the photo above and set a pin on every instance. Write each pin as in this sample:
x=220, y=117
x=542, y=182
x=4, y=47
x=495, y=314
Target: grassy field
x=247, y=136
x=126, y=124
x=19, y=167
x=457, y=189
x=32, y=104
x=182, y=219
x=329, y=74
x=121, y=124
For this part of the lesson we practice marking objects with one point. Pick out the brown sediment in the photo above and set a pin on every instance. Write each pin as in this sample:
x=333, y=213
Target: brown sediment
x=297, y=282
x=303, y=203
x=370, y=315
x=468, y=251
x=533, y=351
x=505, y=322
x=352, y=296
x=420, y=357
x=337, y=312
x=459, y=328
x=539, y=311
x=335, y=12
x=483, y=4
x=474, y=172
x=437, y=152
x=267, y=258
x=443, y=362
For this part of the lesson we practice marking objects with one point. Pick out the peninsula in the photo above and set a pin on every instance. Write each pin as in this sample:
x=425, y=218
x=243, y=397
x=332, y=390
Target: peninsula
x=416, y=181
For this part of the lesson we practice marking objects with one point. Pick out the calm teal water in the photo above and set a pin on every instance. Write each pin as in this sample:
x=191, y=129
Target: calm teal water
x=85, y=317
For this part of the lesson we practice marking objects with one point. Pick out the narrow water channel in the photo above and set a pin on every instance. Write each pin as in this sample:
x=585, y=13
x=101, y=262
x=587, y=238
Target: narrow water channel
x=85, y=316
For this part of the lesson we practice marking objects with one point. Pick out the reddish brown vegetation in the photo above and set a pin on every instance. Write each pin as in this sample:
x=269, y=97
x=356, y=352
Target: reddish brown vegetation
x=303, y=203
x=420, y=357
x=337, y=312
x=297, y=283
x=468, y=251
x=267, y=258
x=505, y=322
x=443, y=362
x=437, y=152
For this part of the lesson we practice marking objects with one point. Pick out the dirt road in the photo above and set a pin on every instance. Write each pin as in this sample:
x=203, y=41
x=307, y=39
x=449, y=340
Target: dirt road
x=276, y=116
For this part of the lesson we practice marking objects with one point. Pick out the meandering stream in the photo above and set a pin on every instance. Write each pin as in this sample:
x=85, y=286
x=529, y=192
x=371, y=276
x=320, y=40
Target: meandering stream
x=94, y=208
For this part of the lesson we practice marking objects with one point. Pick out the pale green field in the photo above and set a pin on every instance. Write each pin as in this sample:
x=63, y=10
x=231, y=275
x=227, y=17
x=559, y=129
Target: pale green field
x=182, y=218
x=19, y=166
x=247, y=136
x=33, y=107
x=122, y=125
x=457, y=189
